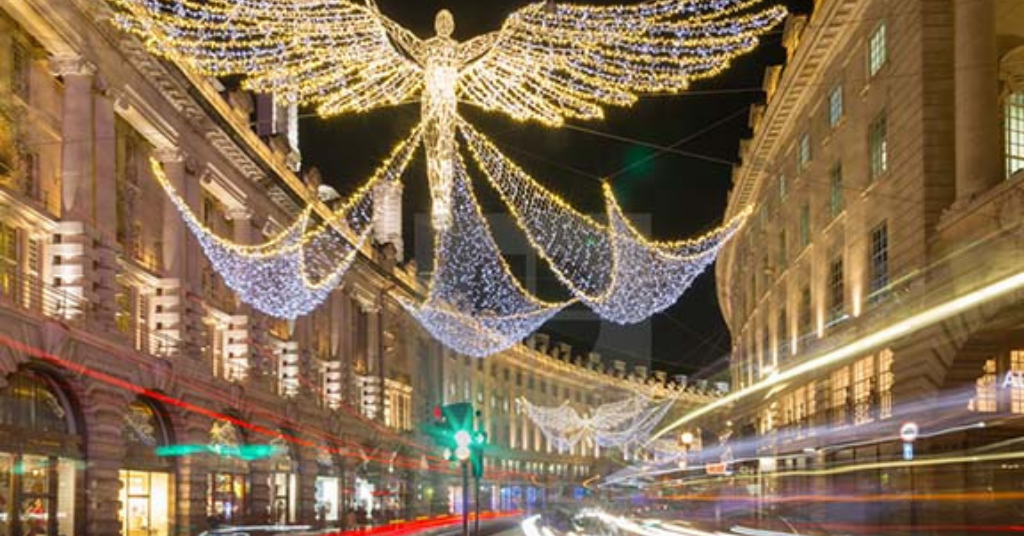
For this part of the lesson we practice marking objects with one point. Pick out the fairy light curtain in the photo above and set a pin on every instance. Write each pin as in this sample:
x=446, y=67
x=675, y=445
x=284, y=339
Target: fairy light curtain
x=549, y=62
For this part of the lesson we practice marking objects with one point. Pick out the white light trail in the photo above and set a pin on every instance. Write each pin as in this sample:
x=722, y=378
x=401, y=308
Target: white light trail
x=881, y=337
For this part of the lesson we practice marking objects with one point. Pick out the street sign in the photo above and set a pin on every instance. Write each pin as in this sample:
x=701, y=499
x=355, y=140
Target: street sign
x=715, y=468
x=908, y=432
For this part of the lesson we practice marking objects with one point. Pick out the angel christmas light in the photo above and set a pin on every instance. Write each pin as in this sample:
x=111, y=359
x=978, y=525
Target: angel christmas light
x=549, y=62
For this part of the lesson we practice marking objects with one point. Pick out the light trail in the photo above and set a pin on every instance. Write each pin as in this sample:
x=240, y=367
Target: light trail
x=402, y=462
x=879, y=338
x=900, y=464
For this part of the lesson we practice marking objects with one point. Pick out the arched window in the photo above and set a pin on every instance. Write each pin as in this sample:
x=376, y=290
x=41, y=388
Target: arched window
x=31, y=402
x=39, y=449
x=146, y=478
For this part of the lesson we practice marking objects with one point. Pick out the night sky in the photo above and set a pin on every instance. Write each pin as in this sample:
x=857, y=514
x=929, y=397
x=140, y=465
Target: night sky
x=681, y=193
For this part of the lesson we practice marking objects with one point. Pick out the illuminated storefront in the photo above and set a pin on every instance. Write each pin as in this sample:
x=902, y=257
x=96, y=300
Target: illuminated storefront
x=39, y=454
x=328, y=496
x=283, y=484
x=228, y=481
x=145, y=478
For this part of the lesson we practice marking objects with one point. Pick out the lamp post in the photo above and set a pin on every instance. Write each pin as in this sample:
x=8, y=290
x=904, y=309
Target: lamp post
x=686, y=440
x=908, y=433
x=462, y=453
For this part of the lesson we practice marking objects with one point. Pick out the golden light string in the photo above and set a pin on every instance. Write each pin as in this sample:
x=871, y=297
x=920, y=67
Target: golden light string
x=294, y=272
x=542, y=65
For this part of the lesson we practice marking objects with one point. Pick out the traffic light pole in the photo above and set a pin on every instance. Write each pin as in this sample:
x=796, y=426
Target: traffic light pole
x=465, y=499
x=476, y=504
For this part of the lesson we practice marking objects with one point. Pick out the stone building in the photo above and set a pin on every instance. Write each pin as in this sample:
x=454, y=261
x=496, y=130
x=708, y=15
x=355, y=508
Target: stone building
x=138, y=395
x=886, y=174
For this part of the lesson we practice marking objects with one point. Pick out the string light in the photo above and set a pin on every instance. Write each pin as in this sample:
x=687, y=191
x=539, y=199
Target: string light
x=622, y=276
x=547, y=63
x=621, y=424
x=297, y=269
x=544, y=64
x=475, y=305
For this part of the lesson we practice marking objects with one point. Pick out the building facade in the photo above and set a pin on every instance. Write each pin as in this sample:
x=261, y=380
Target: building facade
x=138, y=395
x=886, y=174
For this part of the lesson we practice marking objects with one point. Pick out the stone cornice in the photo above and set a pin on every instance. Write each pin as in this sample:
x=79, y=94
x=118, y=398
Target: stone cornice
x=825, y=35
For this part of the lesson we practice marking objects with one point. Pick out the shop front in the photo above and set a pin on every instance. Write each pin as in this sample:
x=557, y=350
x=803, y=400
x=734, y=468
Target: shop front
x=283, y=484
x=328, y=490
x=40, y=456
x=228, y=482
x=146, y=478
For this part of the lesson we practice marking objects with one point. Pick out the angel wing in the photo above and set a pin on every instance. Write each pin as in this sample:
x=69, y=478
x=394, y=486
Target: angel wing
x=550, y=62
x=333, y=54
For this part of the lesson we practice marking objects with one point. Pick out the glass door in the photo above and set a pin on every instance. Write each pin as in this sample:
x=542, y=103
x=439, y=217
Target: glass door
x=144, y=500
x=227, y=496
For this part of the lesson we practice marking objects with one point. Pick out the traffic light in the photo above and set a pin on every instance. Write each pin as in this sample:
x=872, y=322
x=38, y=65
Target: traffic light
x=477, y=453
x=453, y=428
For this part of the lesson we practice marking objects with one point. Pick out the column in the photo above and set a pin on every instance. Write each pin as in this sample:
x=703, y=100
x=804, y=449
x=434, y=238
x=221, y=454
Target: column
x=77, y=135
x=191, y=485
x=305, y=503
x=978, y=153
x=167, y=323
x=103, y=410
x=241, y=219
x=259, y=492
x=172, y=229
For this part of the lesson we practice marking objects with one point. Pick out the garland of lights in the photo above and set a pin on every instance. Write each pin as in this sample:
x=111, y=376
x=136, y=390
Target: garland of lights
x=475, y=305
x=621, y=424
x=549, y=62
x=293, y=272
x=612, y=268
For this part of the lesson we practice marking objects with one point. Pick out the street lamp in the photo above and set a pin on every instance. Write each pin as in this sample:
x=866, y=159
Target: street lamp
x=686, y=439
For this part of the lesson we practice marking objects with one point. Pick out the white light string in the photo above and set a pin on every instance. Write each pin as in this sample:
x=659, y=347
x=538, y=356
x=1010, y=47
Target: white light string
x=295, y=271
x=475, y=305
x=623, y=424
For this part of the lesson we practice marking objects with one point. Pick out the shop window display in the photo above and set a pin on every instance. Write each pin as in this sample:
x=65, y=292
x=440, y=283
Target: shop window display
x=37, y=489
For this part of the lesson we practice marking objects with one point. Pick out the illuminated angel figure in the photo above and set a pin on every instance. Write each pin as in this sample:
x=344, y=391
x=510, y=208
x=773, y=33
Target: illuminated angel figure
x=548, y=62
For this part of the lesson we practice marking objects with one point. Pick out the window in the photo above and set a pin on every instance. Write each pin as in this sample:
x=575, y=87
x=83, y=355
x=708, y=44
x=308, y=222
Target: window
x=835, y=198
x=782, y=333
x=803, y=154
x=30, y=175
x=835, y=106
x=836, y=292
x=9, y=260
x=879, y=143
x=805, y=311
x=783, y=187
x=124, y=316
x=805, y=225
x=1013, y=131
x=879, y=262
x=863, y=389
x=20, y=69
x=1016, y=391
x=985, y=400
x=877, y=53
x=783, y=254
x=766, y=272
x=885, y=381
x=840, y=396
